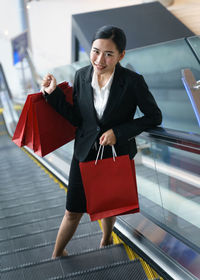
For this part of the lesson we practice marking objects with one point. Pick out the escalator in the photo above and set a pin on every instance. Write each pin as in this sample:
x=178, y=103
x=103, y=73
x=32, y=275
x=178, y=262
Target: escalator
x=164, y=235
x=31, y=210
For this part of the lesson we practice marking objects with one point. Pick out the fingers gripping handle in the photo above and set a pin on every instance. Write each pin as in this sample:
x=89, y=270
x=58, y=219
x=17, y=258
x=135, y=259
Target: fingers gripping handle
x=101, y=149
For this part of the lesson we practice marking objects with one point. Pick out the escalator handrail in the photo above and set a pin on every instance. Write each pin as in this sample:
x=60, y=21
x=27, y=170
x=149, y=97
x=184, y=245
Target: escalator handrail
x=5, y=81
x=187, y=139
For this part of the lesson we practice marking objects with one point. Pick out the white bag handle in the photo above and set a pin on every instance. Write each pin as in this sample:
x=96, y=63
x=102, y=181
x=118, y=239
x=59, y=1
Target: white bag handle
x=101, y=148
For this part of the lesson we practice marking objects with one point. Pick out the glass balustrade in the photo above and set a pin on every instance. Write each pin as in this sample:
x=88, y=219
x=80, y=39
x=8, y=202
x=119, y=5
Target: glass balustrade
x=195, y=45
x=161, y=67
x=169, y=186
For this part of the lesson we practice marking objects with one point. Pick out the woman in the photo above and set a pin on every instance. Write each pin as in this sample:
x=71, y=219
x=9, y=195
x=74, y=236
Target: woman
x=105, y=99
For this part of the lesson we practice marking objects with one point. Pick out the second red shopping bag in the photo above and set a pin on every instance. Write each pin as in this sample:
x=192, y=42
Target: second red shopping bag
x=110, y=187
x=40, y=127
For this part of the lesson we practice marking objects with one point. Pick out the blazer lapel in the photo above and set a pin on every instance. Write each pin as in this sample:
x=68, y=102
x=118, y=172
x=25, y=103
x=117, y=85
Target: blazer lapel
x=89, y=92
x=116, y=91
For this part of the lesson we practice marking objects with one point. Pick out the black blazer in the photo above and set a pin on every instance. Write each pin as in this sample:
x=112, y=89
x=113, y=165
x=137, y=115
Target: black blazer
x=128, y=91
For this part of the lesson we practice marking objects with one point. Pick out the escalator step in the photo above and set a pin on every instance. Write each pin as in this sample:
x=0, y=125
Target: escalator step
x=37, y=201
x=42, y=272
x=42, y=236
x=25, y=228
x=28, y=206
x=128, y=270
x=43, y=251
x=67, y=265
x=36, y=214
x=27, y=217
x=44, y=191
x=26, y=186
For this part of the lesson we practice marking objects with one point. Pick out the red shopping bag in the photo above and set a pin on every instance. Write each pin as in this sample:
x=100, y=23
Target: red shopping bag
x=19, y=134
x=110, y=187
x=50, y=132
x=40, y=127
x=29, y=128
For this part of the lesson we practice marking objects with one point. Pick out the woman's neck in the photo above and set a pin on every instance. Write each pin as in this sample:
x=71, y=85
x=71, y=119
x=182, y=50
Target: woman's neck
x=103, y=79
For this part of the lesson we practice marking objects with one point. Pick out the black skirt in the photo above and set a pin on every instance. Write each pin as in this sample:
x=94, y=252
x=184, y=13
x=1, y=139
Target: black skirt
x=76, y=200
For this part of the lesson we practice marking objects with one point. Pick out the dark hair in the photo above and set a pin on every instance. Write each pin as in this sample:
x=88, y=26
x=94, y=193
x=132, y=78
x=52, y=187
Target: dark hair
x=116, y=34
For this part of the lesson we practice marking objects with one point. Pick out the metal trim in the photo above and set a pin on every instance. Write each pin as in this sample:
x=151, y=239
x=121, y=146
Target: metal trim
x=157, y=258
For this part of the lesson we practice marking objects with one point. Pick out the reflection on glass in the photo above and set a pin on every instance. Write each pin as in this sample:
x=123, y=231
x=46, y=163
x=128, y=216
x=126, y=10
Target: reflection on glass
x=161, y=67
x=169, y=187
x=195, y=45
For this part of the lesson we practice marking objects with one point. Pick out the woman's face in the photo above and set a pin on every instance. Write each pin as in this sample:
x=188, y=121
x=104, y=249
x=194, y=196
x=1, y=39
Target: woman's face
x=104, y=56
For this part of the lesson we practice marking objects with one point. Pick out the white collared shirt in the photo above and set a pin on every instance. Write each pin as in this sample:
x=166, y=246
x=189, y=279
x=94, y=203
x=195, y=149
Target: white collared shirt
x=101, y=94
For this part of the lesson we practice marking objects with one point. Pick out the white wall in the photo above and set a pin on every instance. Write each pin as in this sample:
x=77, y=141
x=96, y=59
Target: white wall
x=50, y=25
x=10, y=26
x=50, y=31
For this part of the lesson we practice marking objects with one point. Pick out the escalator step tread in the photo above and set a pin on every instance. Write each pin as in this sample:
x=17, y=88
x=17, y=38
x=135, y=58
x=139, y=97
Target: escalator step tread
x=24, y=202
x=44, y=192
x=41, y=224
x=99, y=257
x=129, y=270
x=43, y=272
x=17, y=218
x=38, y=236
x=27, y=217
x=28, y=207
x=13, y=275
x=44, y=251
x=71, y=264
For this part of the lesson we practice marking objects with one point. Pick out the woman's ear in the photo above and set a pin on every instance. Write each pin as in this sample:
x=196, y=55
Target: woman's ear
x=121, y=56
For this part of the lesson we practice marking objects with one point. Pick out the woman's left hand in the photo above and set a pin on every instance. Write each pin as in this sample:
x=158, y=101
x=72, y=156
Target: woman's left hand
x=108, y=138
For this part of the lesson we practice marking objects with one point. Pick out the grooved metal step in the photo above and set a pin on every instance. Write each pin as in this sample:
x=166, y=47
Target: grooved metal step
x=42, y=236
x=29, y=206
x=16, y=218
x=34, y=194
x=41, y=200
x=25, y=187
x=25, y=201
x=127, y=270
x=36, y=214
x=25, y=228
x=67, y=265
x=22, y=228
x=21, y=224
x=40, y=252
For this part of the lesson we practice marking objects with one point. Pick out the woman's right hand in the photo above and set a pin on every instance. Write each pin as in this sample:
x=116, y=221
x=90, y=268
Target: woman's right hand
x=49, y=83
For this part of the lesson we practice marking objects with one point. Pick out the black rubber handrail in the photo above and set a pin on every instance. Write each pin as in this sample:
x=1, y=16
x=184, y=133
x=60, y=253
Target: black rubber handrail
x=5, y=81
x=183, y=140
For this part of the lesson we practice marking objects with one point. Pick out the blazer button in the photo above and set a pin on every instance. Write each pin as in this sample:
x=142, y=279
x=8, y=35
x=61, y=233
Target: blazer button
x=98, y=128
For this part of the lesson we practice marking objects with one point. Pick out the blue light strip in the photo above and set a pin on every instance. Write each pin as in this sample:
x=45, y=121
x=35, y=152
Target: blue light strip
x=192, y=100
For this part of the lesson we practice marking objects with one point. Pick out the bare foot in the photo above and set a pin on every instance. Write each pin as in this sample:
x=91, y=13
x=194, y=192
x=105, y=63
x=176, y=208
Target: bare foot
x=104, y=243
x=63, y=254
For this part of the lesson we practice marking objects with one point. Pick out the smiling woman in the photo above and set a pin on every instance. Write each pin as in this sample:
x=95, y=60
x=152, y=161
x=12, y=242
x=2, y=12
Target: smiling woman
x=108, y=48
x=104, y=56
x=105, y=98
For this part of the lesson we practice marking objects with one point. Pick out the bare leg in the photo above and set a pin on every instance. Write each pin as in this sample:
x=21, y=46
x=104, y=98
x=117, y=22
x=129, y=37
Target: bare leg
x=107, y=225
x=67, y=229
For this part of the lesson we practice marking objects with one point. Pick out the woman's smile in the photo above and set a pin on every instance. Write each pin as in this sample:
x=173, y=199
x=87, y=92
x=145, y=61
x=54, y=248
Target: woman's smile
x=104, y=56
x=99, y=66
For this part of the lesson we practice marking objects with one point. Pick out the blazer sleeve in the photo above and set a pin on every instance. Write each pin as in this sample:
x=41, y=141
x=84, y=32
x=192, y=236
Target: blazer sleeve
x=71, y=112
x=152, y=115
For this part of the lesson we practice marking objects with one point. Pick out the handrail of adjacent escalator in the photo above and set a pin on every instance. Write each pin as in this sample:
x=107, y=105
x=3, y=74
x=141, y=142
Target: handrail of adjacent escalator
x=3, y=77
x=186, y=141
